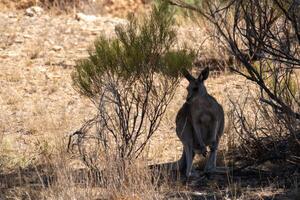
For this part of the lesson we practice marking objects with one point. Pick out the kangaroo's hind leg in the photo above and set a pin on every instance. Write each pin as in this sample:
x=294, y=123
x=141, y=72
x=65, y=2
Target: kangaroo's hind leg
x=189, y=155
x=182, y=163
x=210, y=166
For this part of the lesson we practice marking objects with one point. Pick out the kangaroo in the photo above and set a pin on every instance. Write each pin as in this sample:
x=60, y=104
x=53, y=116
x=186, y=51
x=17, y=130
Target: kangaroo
x=199, y=123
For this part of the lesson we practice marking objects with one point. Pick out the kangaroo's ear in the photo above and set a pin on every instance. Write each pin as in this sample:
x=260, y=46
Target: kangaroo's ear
x=204, y=74
x=187, y=75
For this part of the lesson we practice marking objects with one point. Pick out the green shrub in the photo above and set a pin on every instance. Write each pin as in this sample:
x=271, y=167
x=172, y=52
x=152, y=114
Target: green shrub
x=137, y=51
x=132, y=79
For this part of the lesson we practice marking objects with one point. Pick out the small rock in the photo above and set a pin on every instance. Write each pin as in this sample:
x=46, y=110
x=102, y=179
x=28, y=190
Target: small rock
x=12, y=15
x=34, y=11
x=57, y=48
x=12, y=54
x=69, y=63
x=84, y=17
x=115, y=21
x=19, y=40
x=27, y=36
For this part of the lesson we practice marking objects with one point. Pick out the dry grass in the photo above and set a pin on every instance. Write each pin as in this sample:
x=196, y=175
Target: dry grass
x=39, y=109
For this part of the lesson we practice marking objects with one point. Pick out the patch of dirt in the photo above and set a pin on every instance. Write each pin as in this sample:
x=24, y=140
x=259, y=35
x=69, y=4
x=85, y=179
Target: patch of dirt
x=37, y=57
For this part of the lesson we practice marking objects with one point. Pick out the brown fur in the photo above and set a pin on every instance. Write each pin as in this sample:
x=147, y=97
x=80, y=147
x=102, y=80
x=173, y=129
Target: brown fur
x=199, y=123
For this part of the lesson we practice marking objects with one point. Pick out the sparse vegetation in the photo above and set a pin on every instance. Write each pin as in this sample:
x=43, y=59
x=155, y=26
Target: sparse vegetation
x=40, y=108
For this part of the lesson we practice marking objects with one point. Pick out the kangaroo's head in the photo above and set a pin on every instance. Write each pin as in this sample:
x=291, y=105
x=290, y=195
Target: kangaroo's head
x=196, y=86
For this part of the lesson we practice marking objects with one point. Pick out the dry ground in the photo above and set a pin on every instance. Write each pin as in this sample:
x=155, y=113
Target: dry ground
x=119, y=8
x=40, y=108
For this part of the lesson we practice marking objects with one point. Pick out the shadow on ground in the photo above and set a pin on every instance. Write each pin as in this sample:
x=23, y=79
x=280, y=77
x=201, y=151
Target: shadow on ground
x=243, y=184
